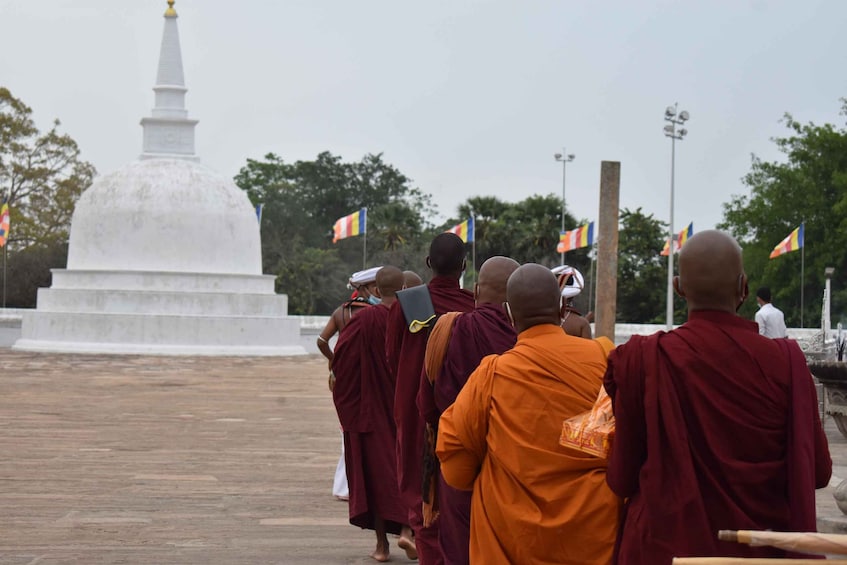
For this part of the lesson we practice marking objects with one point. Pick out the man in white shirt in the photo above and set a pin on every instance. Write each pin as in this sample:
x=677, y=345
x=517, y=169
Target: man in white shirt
x=769, y=317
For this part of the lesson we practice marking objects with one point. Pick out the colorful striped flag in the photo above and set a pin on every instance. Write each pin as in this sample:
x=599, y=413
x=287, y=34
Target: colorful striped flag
x=348, y=226
x=582, y=236
x=679, y=240
x=4, y=222
x=464, y=230
x=793, y=242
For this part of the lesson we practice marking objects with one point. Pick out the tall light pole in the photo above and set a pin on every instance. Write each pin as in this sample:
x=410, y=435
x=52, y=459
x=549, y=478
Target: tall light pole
x=675, y=119
x=565, y=159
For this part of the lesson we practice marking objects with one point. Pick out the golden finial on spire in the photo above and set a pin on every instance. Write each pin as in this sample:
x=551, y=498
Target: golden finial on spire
x=170, y=12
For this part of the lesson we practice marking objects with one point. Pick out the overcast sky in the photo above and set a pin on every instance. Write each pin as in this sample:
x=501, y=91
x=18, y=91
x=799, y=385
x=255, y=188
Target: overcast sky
x=466, y=97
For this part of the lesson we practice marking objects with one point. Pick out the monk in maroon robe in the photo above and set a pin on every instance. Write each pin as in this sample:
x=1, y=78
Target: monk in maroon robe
x=364, y=398
x=717, y=427
x=405, y=352
x=485, y=331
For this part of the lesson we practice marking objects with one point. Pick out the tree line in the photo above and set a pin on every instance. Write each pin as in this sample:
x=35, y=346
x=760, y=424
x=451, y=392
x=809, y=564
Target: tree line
x=43, y=175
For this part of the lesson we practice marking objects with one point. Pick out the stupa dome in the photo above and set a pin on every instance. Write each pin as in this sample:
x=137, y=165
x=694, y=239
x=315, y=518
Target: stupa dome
x=165, y=215
x=165, y=254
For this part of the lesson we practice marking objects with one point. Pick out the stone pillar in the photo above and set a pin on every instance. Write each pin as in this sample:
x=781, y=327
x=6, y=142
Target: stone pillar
x=607, y=249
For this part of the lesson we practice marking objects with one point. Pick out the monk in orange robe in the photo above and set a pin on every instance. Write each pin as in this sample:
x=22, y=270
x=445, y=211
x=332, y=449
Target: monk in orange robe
x=534, y=501
x=470, y=337
x=364, y=399
x=405, y=352
x=717, y=427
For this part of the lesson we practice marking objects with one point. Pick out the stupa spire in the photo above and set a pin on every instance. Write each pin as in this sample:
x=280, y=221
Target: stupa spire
x=169, y=132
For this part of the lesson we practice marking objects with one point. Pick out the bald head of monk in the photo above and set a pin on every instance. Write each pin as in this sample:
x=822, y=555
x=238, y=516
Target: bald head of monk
x=446, y=255
x=533, y=297
x=412, y=279
x=711, y=273
x=493, y=276
x=388, y=281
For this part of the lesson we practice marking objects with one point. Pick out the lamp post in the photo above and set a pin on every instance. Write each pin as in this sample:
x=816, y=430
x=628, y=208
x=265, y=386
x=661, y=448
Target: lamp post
x=674, y=119
x=827, y=307
x=565, y=158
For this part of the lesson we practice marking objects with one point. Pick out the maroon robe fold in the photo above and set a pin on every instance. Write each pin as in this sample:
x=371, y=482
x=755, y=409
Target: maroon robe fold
x=485, y=331
x=717, y=428
x=405, y=353
x=364, y=399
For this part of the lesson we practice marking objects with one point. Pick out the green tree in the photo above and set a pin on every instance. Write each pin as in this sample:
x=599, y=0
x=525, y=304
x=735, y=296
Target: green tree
x=42, y=174
x=809, y=186
x=642, y=271
x=302, y=201
x=528, y=231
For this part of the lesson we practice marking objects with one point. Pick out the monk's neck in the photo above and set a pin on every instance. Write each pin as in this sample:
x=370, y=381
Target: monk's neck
x=443, y=281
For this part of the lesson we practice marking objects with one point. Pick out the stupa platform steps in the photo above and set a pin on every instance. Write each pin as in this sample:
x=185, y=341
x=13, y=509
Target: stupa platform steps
x=159, y=334
x=162, y=281
x=110, y=301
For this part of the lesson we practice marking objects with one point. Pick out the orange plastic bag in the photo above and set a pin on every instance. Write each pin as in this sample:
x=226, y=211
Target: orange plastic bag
x=591, y=432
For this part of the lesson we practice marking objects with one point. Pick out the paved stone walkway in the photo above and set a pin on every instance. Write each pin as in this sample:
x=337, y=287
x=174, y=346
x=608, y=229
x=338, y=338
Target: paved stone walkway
x=167, y=460
x=149, y=460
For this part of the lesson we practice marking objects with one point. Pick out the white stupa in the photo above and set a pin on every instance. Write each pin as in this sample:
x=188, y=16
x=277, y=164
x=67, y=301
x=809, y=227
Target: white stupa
x=165, y=254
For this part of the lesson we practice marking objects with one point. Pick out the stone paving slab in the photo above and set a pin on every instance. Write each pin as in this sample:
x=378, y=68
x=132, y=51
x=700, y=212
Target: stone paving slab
x=179, y=460
x=143, y=460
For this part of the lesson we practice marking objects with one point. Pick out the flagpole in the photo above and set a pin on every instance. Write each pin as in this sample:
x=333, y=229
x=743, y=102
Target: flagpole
x=5, y=255
x=802, y=271
x=6, y=247
x=365, y=242
x=591, y=282
x=473, y=249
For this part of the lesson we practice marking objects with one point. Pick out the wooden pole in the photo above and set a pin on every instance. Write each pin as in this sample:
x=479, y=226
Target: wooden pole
x=607, y=249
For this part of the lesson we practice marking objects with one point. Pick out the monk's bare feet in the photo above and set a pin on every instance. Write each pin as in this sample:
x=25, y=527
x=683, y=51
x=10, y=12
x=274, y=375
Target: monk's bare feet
x=407, y=544
x=380, y=554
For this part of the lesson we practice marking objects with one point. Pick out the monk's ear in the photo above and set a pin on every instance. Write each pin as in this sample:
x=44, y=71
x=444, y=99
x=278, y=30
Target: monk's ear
x=428, y=263
x=677, y=287
x=476, y=291
x=376, y=292
x=743, y=290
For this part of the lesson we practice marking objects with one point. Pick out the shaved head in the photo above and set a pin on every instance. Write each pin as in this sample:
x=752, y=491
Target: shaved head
x=493, y=276
x=534, y=297
x=711, y=272
x=412, y=279
x=388, y=281
x=446, y=255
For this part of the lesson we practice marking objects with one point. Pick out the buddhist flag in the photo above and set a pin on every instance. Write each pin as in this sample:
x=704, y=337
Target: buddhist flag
x=582, y=236
x=4, y=222
x=793, y=242
x=464, y=230
x=259, y=208
x=348, y=226
x=680, y=240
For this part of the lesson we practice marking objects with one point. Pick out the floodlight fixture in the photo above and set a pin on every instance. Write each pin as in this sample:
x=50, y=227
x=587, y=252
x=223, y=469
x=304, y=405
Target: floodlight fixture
x=674, y=119
x=565, y=158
